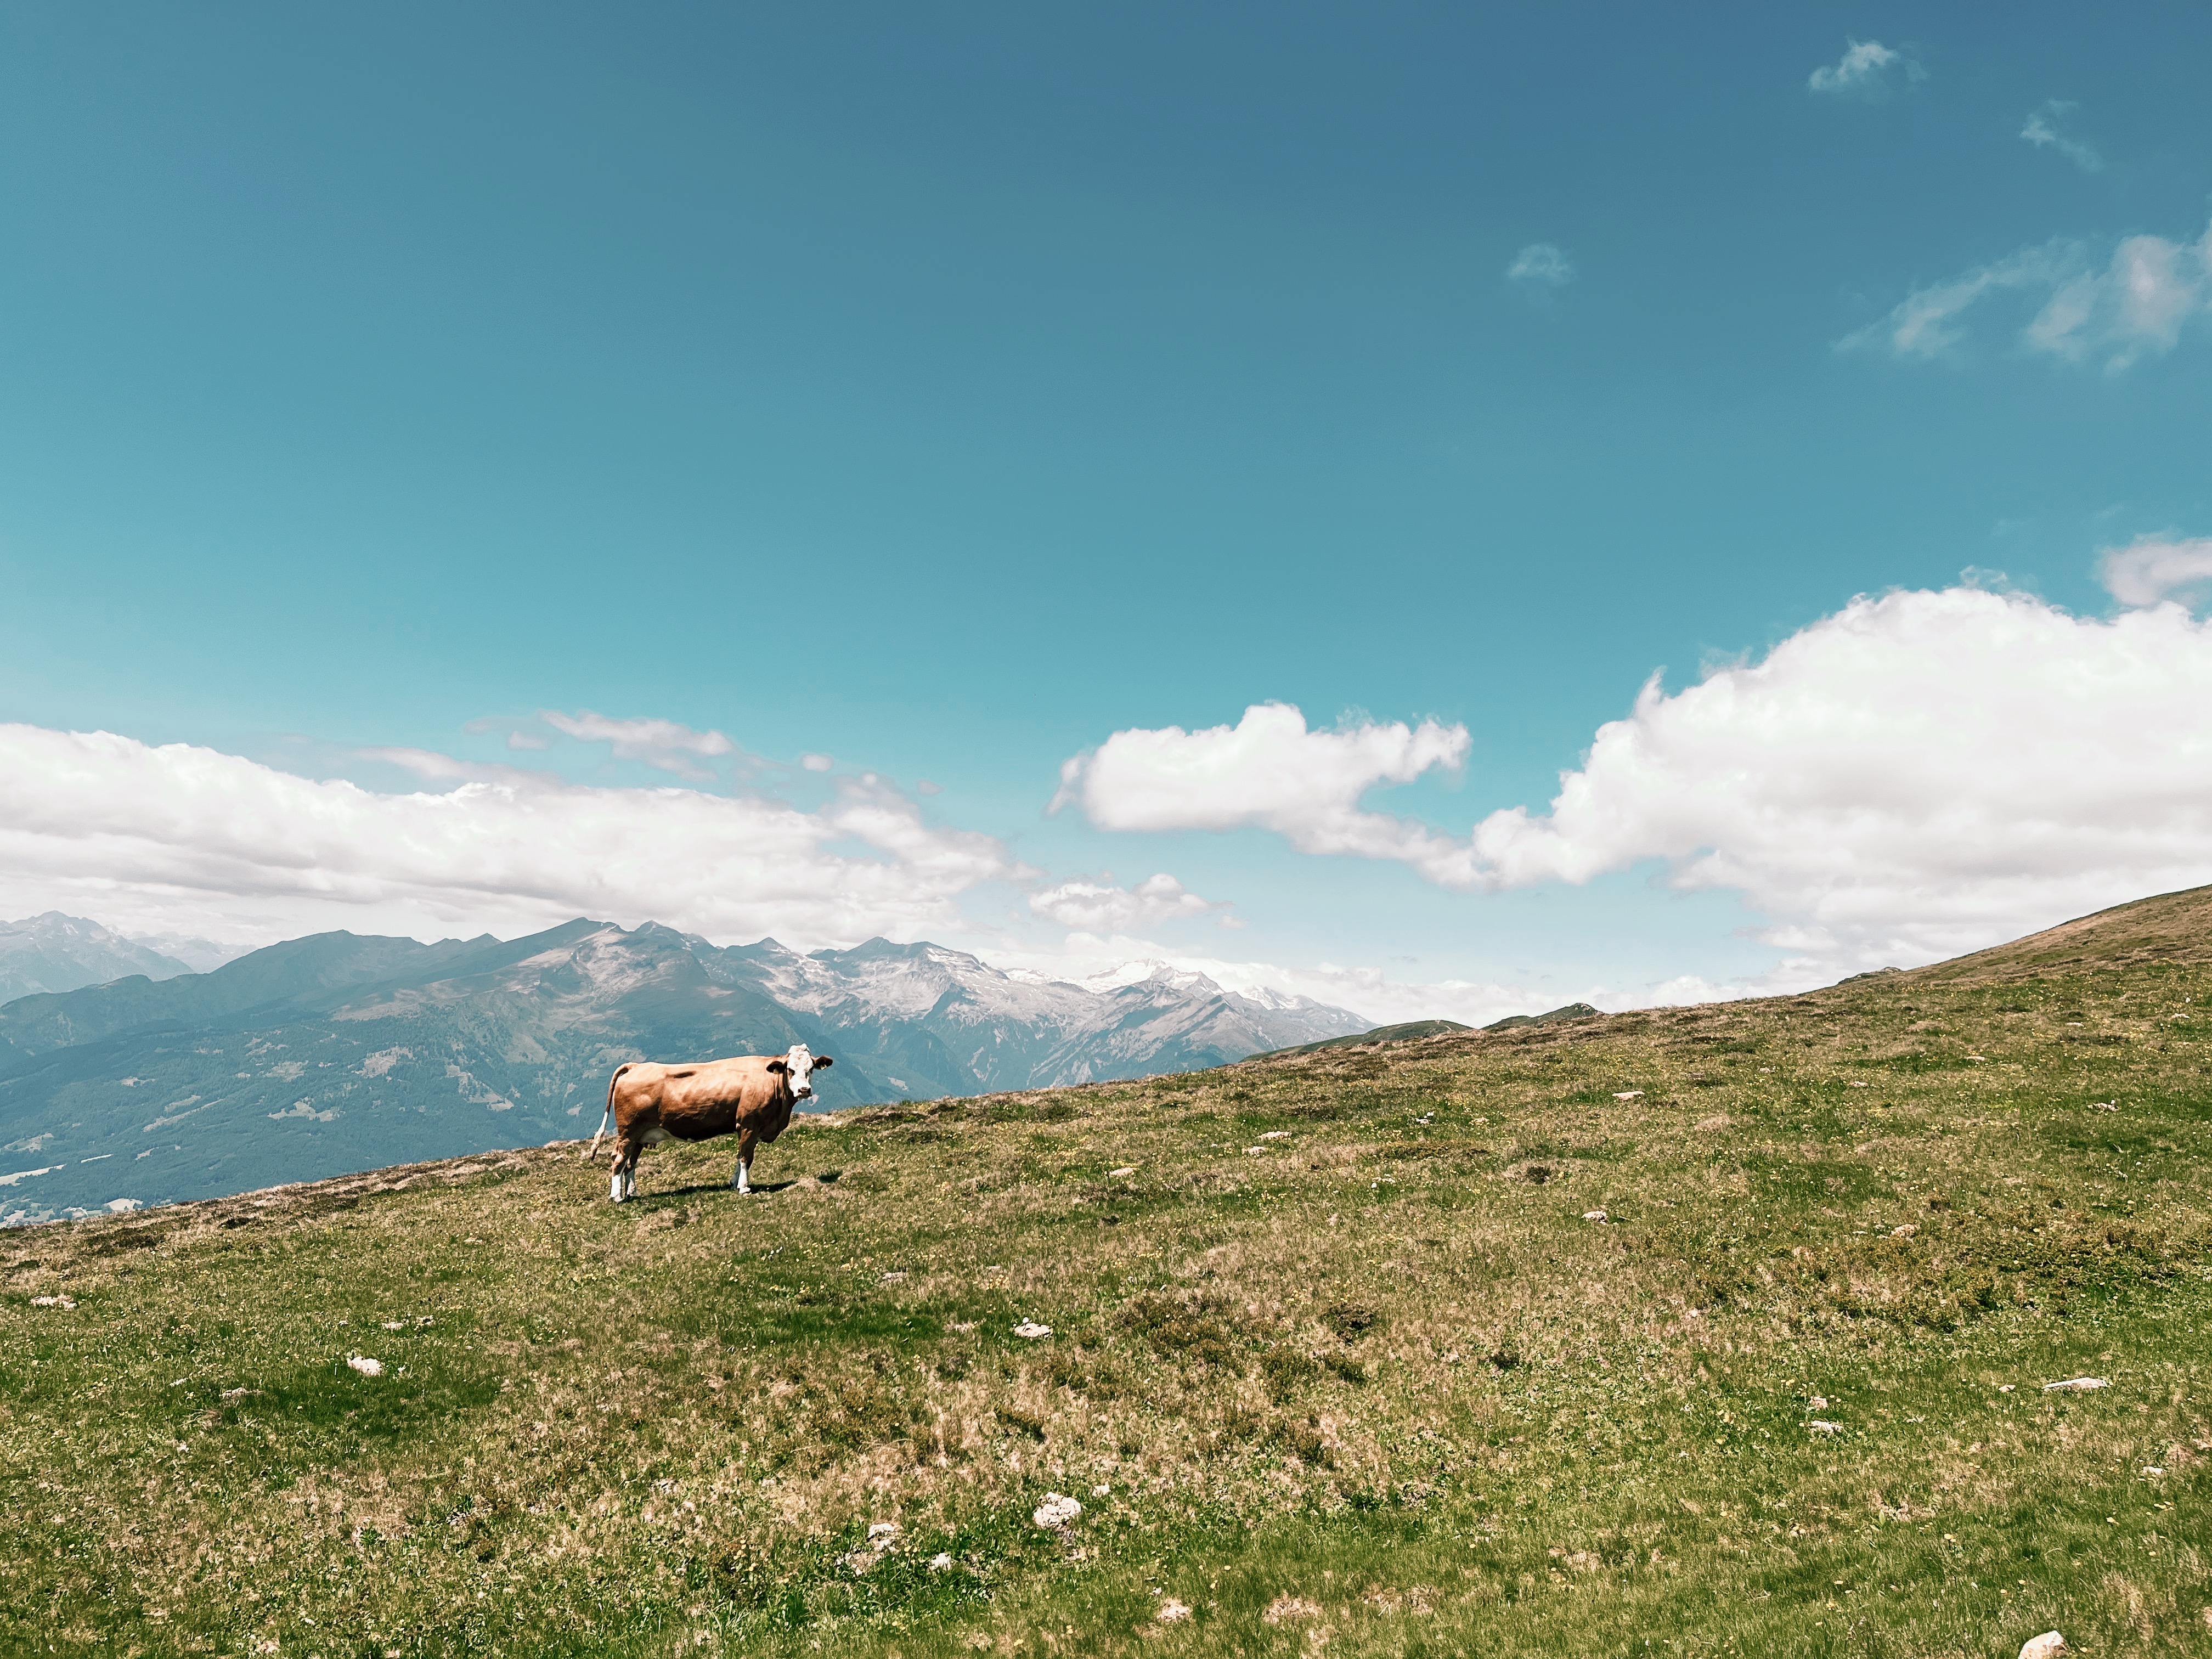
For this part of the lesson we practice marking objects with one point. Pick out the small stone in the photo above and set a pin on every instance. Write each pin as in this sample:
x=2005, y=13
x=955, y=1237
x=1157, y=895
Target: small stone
x=890, y=1278
x=1905, y=1232
x=1172, y=1612
x=1819, y=1402
x=2049, y=1645
x=1630, y=1094
x=1102, y=1491
x=940, y=1561
x=232, y=1397
x=61, y=1301
x=1595, y=1215
x=1278, y=1134
x=1821, y=1426
x=2076, y=1385
x=2153, y=1472
x=1126, y=1169
x=1056, y=1512
x=2005, y=1388
x=883, y=1535
x=366, y=1367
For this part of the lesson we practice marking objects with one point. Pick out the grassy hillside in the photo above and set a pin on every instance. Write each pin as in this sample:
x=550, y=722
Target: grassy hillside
x=1338, y=1357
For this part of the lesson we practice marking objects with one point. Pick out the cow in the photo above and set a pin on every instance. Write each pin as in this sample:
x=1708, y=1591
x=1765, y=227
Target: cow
x=752, y=1094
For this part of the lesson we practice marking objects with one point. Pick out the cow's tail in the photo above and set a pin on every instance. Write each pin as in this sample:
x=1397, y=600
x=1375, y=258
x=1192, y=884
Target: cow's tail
x=607, y=1116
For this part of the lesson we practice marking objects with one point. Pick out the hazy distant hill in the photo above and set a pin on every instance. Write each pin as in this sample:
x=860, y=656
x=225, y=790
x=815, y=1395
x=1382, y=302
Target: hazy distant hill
x=55, y=953
x=336, y=1053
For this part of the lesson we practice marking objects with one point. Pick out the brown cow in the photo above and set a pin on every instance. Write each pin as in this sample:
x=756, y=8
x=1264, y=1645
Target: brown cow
x=752, y=1094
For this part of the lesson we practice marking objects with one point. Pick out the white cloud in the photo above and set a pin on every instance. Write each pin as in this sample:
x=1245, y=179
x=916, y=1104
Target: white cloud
x=2041, y=132
x=2136, y=305
x=668, y=744
x=1923, y=324
x=1863, y=69
x=1915, y=776
x=2154, y=568
x=1100, y=907
x=1269, y=771
x=1541, y=264
x=187, y=839
x=816, y=763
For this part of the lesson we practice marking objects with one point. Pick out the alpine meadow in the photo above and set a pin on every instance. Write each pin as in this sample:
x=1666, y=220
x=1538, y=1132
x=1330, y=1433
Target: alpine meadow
x=1727, y=1329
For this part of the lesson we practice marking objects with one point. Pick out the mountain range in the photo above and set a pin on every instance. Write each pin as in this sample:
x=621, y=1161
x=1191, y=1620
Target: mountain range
x=337, y=1052
x=55, y=953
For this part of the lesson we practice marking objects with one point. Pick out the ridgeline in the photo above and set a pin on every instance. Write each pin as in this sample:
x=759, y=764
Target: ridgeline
x=1725, y=1329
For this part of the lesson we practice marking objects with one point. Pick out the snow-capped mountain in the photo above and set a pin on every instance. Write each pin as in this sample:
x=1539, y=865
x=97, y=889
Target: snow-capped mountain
x=336, y=1053
x=55, y=953
x=938, y=1022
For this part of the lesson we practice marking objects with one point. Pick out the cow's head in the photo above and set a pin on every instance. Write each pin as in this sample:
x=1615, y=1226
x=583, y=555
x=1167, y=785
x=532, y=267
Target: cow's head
x=799, y=1064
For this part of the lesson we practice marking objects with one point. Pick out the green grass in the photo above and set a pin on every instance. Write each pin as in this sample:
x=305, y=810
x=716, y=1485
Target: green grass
x=1377, y=1386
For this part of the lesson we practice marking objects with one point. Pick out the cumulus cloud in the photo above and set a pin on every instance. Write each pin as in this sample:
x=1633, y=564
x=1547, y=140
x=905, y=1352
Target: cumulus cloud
x=1867, y=67
x=1914, y=776
x=2042, y=130
x=1540, y=266
x=1099, y=907
x=188, y=838
x=1917, y=775
x=2155, y=568
x=1269, y=771
x=2136, y=302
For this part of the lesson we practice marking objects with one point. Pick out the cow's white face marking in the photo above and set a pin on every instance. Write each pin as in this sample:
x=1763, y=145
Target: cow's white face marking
x=800, y=1058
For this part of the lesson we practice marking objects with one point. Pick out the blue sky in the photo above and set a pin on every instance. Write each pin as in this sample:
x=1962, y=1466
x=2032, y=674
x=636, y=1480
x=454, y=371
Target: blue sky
x=946, y=391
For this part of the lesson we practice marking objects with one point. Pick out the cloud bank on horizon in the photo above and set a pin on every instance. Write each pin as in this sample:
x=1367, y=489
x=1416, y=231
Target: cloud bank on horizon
x=1915, y=776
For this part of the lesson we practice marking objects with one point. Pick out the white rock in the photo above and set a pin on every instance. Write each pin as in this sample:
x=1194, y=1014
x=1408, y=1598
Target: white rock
x=1905, y=1232
x=2005, y=1388
x=1102, y=1491
x=2104, y=1105
x=1595, y=1215
x=883, y=1535
x=940, y=1561
x=2048, y=1645
x=2154, y=1471
x=1126, y=1169
x=1630, y=1094
x=366, y=1367
x=61, y=1301
x=1276, y=1134
x=1819, y=1402
x=1056, y=1512
x=2076, y=1385
x=1032, y=1330
x=1821, y=1426
x=1173, y=1612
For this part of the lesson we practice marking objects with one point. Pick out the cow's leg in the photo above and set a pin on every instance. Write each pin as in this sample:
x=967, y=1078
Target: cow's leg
x=624, y=1169
x=743, y=1179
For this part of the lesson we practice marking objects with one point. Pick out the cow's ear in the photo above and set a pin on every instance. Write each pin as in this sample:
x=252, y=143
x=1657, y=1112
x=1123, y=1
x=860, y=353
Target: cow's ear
x=820, y=1060
x=778, y=1066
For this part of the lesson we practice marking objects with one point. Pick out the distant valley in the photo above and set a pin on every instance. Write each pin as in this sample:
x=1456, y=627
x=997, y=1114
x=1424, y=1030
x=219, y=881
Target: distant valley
x=338, y=1052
